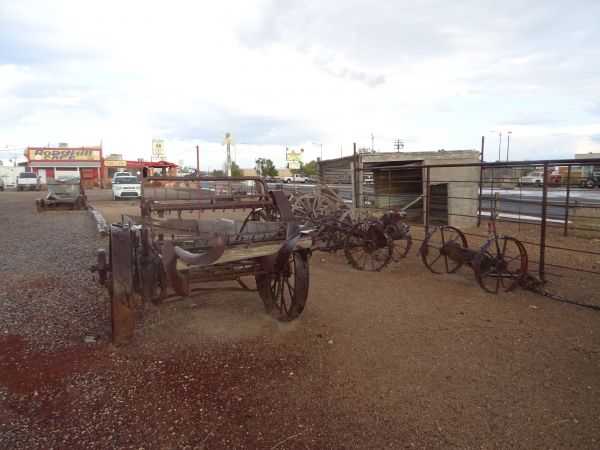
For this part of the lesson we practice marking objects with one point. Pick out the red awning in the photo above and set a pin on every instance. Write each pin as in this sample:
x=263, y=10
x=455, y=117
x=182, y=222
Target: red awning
x=150, y=164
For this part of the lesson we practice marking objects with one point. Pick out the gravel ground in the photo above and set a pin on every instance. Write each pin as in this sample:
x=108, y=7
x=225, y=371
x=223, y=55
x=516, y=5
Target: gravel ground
x=397, y=359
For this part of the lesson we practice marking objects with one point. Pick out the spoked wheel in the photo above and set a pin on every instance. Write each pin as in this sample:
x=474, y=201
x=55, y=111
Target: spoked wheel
x=401, y=248
x=368, y=248
x=501, y=265
x=311, y=206
x=400, y=233
x=437, y=246
x=284, y=293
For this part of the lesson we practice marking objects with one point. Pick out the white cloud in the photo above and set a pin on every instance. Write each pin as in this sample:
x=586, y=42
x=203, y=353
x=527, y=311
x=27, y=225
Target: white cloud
x=434, y=73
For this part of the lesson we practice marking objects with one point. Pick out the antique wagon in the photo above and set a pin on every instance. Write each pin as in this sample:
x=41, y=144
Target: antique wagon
x=181, y=242
x=63, y=194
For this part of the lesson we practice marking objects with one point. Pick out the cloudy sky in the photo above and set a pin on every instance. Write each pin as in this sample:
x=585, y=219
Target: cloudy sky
x=301, y=74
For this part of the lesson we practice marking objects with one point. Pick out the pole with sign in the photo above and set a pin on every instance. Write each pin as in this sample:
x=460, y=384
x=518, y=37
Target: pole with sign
x=158, y=150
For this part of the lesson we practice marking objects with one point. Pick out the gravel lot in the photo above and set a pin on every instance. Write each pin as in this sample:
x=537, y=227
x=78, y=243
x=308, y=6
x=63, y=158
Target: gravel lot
x=398, y=359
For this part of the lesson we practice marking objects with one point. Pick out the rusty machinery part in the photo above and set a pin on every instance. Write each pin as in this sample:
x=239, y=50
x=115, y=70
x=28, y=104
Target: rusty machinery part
x=501, y=264
x=399, y=232
x=444, y=250
x=40, y=204
x=284, y=293
x=101, y=267
x=367, y=247
x=325, y=215
x=121, y=285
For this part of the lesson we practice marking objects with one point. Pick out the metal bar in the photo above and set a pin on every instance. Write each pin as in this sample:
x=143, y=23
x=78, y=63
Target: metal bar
x=480, y=182
x=555, y=162
x=427, y=195
x=542, y=270
x=567, y=202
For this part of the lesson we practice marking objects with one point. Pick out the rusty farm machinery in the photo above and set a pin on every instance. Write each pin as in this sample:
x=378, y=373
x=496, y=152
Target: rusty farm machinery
x=63, y=194
x=499, y=265
x=171, y=251
x=369, y=242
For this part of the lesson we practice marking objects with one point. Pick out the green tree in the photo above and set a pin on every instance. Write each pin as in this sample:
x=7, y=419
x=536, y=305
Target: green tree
x=235, y=169
x=217, y=173
x=266, y=168
x=310, y=168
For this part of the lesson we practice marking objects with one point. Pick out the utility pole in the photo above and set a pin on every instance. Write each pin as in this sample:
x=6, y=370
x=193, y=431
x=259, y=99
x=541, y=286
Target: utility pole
x=508, y=145
x=372, y=143
x=499, y=144
x=398, y=144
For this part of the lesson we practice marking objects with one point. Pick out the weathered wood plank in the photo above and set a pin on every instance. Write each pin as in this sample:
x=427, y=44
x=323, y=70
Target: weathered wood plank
x=249, y=251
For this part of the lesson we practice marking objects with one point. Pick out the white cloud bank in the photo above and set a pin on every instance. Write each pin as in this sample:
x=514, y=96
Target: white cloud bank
x=434, y=73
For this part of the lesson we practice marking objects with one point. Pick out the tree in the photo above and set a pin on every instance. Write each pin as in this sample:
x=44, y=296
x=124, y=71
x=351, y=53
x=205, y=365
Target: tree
x=310, y=168
x=218, y=173
x=266, y=168
x=235, y=169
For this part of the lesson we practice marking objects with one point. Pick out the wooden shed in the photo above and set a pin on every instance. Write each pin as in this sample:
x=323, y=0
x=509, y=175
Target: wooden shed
x=398, y=182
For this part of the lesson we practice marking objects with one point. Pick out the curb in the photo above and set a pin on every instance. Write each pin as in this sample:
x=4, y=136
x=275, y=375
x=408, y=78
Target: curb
x=99, y=218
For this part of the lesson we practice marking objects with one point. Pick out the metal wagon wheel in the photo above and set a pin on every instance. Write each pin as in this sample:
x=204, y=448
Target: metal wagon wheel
x=284, y=293
x=402, y=241
x=367, y=247
x=501, y=264
x=401, y=248
x=434, y=250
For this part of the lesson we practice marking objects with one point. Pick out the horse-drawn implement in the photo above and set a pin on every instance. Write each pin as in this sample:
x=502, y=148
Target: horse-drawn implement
x=155, y=256
x=500, y=264
x=63, y=194
x=369, y=242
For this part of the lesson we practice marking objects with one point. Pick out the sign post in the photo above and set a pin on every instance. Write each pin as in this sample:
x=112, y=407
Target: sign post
x=158, y=150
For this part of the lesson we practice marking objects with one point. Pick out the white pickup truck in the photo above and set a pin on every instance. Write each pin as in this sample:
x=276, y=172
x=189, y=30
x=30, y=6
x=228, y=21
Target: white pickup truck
x=28, y=180
x=295, y=178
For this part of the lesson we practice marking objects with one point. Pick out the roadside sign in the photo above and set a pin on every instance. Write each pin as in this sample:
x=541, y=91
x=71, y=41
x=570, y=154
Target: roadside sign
x=158, y=149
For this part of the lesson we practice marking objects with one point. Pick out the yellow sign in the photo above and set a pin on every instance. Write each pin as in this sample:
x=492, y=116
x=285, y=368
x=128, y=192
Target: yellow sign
x=114, y=163
x=67, y=154
x=291, y=156
x=158, y=147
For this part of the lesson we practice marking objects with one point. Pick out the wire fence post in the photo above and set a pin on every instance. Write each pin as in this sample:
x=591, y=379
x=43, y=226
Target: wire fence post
x=427, y=192
x=542, y=269
x=566, y=227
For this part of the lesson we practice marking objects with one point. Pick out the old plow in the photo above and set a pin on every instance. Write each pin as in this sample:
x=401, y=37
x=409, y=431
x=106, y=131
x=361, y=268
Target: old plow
x=181, y=241
x=500, y=264
x=369, y=242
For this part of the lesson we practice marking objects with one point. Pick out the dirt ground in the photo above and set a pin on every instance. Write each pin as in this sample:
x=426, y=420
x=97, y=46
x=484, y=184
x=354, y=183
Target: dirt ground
x=397, y=359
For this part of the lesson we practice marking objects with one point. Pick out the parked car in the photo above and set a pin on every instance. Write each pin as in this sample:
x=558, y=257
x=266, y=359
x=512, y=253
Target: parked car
x=126, y=187
x=120, y=174
x=295, y=178
x=537, y=179
x=1, y=184
x=312, y=179
x=28, y=180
